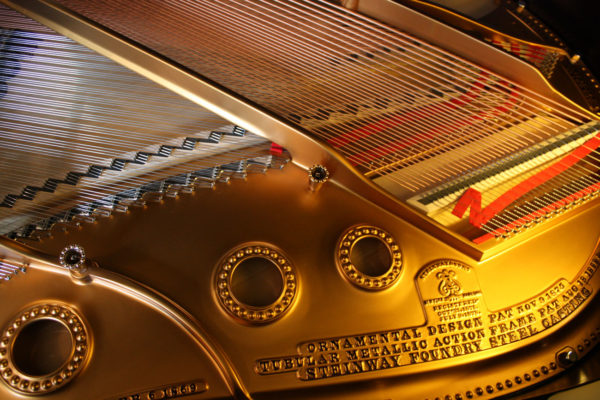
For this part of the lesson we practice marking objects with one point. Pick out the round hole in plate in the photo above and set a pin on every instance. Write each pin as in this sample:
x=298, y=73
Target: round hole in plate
x=42, y=347
x=371, y=256
x=256, y=282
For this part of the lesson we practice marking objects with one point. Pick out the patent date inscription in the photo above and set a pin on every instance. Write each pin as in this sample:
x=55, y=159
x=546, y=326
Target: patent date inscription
x=174, y=391
x=458, y=325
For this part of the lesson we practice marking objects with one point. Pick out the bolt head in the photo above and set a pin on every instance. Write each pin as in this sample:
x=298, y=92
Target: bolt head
x=318, y=174
x=567, y=357
x=72, y=257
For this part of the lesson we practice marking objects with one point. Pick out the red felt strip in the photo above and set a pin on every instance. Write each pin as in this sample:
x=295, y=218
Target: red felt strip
x=540, y=212
x=515, y=48
x=478, y=217
x=276, y=149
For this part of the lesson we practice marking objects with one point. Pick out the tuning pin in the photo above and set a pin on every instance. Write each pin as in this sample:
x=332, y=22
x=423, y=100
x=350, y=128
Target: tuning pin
x=317, y=174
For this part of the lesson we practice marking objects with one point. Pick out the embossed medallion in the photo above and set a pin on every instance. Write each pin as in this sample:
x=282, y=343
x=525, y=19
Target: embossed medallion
x=368, y=257
x=256, y=283
x=30, y=344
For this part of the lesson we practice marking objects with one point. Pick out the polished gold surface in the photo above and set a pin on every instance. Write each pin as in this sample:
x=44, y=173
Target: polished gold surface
x=451, y=325
x=296, y=283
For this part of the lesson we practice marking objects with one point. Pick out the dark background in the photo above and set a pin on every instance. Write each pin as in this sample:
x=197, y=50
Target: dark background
x=576, y=22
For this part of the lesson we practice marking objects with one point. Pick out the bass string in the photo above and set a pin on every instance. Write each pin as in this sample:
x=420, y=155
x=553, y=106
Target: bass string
x=96, y=191
x=442, y=170
x=164, y=6
x=11, y=19
x=347, y=49
x=12, y=161
x=243, y=149
x=415, y=60
x=369, y=37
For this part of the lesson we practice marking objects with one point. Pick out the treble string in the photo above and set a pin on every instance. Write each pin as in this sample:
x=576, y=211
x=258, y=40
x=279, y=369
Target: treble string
x=227, y=48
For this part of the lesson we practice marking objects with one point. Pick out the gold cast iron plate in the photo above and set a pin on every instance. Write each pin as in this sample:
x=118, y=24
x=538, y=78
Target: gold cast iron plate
x=493, y=298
